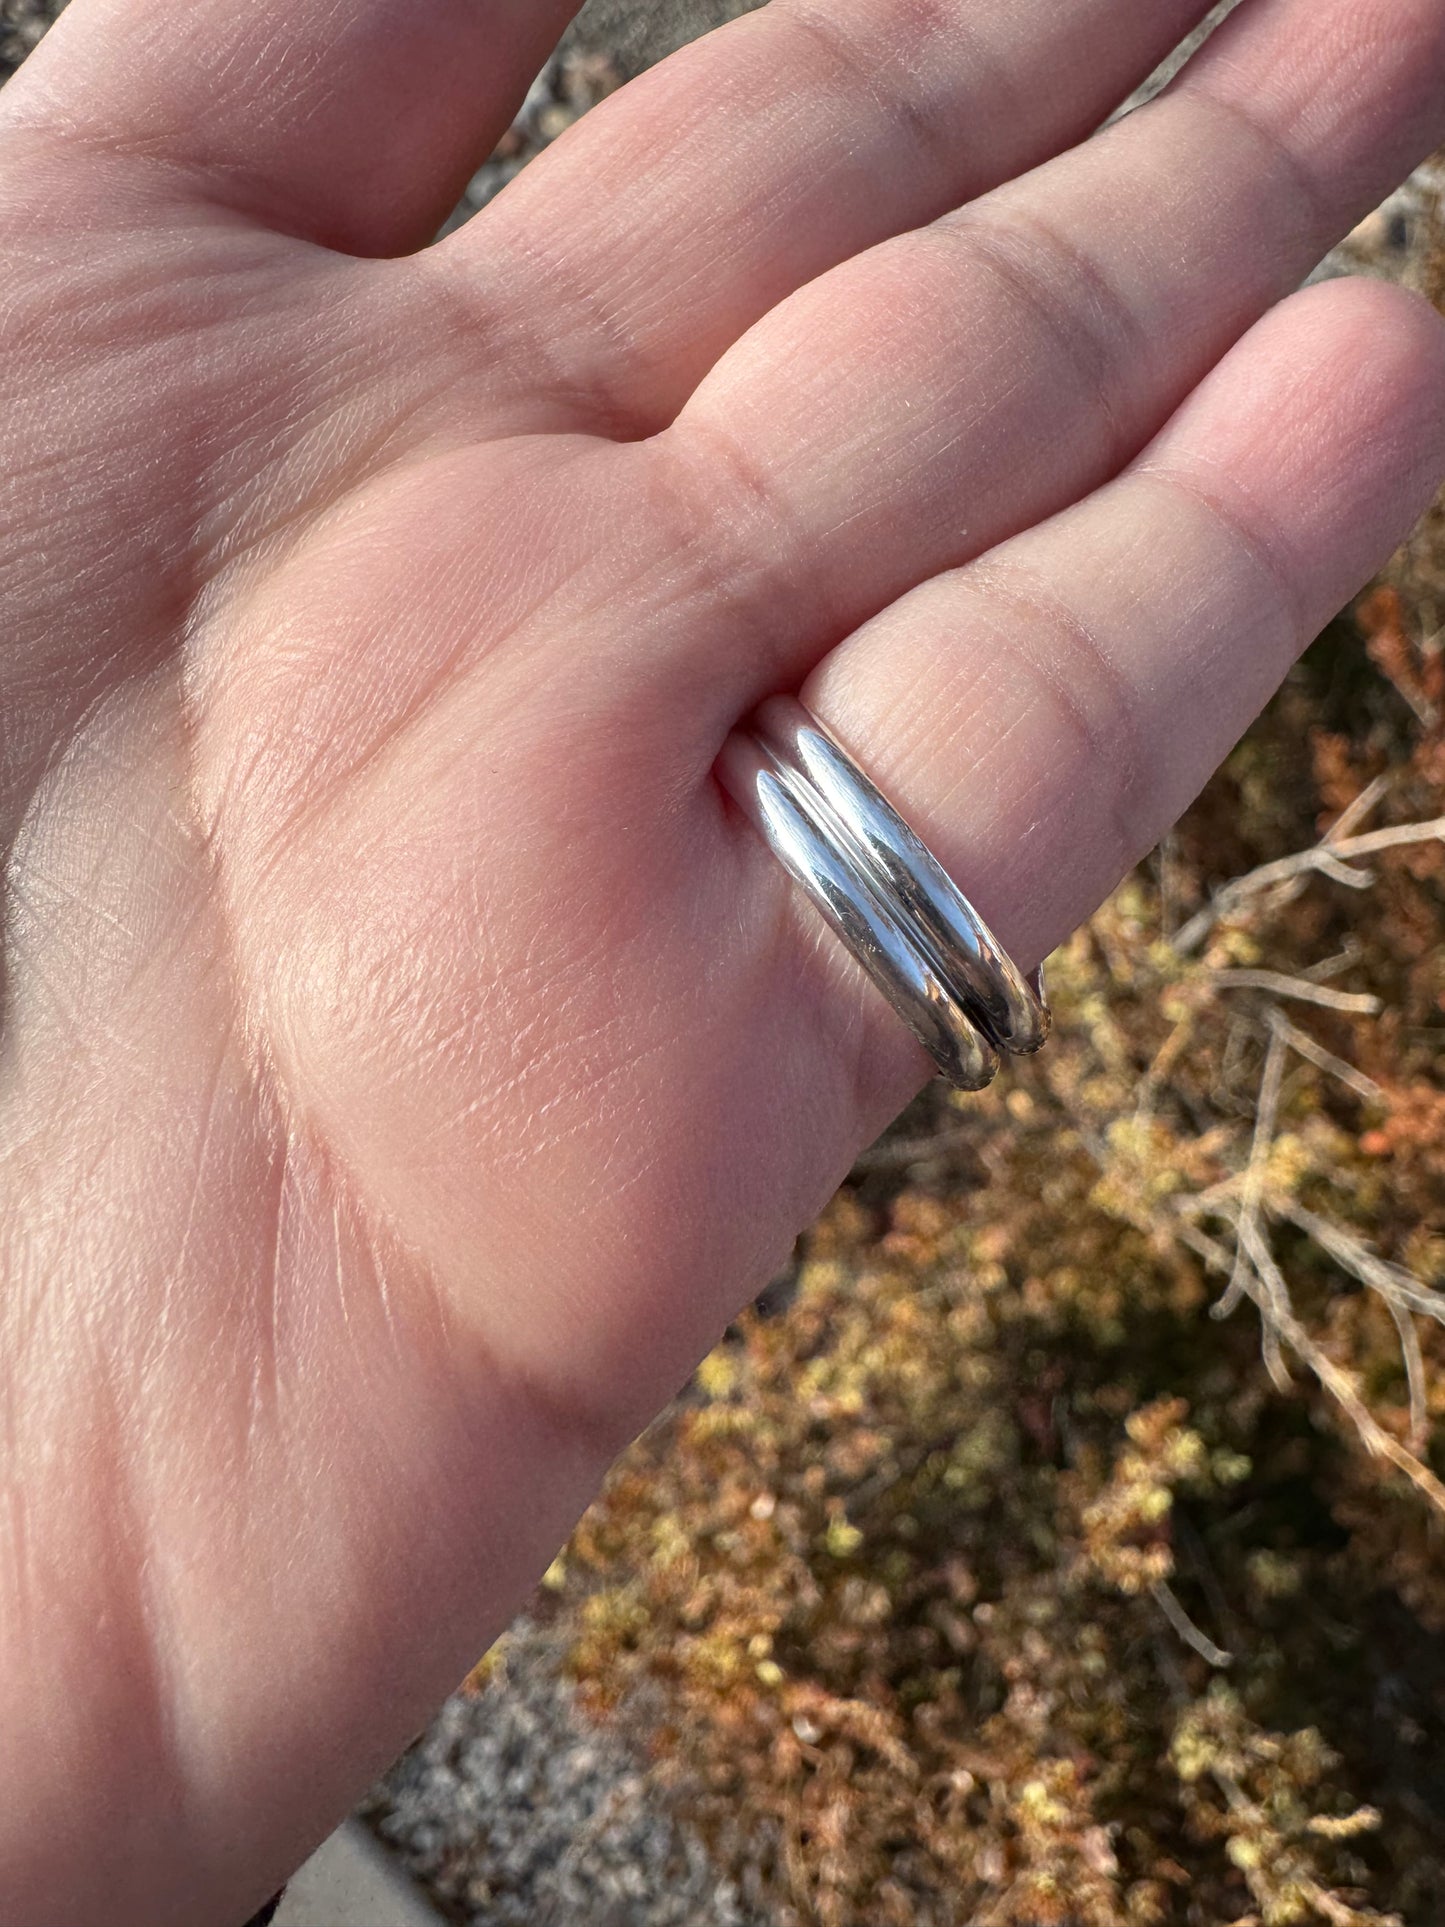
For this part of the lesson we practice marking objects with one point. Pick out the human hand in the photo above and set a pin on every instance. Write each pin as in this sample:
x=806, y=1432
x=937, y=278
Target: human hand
x=411, y=1061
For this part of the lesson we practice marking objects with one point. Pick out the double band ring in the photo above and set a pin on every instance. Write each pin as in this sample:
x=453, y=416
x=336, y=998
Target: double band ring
x=884, y=894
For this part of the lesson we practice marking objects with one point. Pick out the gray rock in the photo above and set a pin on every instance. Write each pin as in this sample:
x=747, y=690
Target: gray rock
x=637, y=36
x=22, y=26
x=513, y=1810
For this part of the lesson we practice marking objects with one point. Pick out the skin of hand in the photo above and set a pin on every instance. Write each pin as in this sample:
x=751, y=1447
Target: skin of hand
x=410, y=1060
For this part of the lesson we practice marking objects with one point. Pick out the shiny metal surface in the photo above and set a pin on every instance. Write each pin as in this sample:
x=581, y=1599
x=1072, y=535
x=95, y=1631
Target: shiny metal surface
x=884, y=894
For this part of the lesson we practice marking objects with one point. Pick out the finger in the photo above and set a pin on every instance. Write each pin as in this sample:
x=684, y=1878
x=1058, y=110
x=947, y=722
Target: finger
x=352, y=122
x=921, y=404
x=693, y=201
x=1045, y=714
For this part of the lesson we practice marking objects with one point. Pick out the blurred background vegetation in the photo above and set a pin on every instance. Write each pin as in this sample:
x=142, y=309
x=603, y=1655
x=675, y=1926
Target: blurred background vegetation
x=1061, y=1540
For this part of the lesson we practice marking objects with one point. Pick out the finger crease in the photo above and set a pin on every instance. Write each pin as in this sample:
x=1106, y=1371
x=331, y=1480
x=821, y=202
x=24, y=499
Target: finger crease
x=1115, y=741
x=1268, y=558
x=754, y=521
x=1288, y=169
x=890, y=87
x=1084, y=313
x=587, y=403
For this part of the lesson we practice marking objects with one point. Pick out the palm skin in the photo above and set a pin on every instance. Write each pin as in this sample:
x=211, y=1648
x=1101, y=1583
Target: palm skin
x=411, y=1060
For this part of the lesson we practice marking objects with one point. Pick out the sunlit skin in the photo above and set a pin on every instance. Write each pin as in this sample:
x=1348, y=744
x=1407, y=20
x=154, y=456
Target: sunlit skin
x=410, y=1060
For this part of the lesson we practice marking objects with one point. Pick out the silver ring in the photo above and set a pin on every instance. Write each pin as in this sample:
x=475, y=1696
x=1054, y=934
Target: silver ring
x=884, y=894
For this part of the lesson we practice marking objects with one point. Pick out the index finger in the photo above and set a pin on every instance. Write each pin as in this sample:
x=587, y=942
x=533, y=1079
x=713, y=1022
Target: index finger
x=351, y=122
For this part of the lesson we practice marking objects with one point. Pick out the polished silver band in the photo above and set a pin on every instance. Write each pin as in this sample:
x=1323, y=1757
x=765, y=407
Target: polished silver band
x=888, y=899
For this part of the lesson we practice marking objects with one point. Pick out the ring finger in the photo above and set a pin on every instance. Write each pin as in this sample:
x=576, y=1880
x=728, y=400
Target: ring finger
x=1043, y=715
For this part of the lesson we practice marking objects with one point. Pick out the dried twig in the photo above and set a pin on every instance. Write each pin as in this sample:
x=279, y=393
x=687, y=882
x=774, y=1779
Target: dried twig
x=1414, y=1375
x=1403, y=1293
x=1342, y=960
x=1355, y=1256
x=1327, y=1905
x=1167, y=1601
x=1325, y=1060
x=1401, y=836
x=1252, y=1190
x=1331, y=857
x=1376, y=1439
x=1266, y=1285
x=1255, y=1273
x=1300, y=988
x=1285, y=871
x=1360, y=810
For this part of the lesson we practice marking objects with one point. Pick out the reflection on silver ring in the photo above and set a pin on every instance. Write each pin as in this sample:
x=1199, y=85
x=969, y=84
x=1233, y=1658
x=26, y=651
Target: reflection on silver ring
x=884, y=894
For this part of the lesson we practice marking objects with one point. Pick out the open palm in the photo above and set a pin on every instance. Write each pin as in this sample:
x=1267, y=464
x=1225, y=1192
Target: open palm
x=410, y=1059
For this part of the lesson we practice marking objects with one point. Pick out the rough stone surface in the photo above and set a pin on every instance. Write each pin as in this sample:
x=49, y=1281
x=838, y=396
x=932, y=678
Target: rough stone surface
x=636, y=36
x=351, y=1882
x=513, y=1810
x=22, y=24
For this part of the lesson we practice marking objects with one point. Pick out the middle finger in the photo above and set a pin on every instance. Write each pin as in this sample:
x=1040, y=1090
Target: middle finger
x=925, y=401
x=688, y=205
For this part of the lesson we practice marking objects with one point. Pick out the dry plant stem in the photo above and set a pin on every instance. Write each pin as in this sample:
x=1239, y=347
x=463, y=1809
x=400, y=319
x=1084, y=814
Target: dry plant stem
x=1253, y=1189
x=1266, y=1119
x=1315, y=1053
x=1331, y=857
x=1404, y=1295
x=1279, y=984
x=1337, y=1383
x=1168, y=1603
x=1401, y=837
x=894, y=1154
x=1339, y=1915
x=1290, y=871
x=1361, y=810
x=1264, y=1282
x=1393, y=1282
x=1414, y=1375
x=1254, y=1271
x=1324, y=1903
x=1328, y=864
x=1335, y=966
